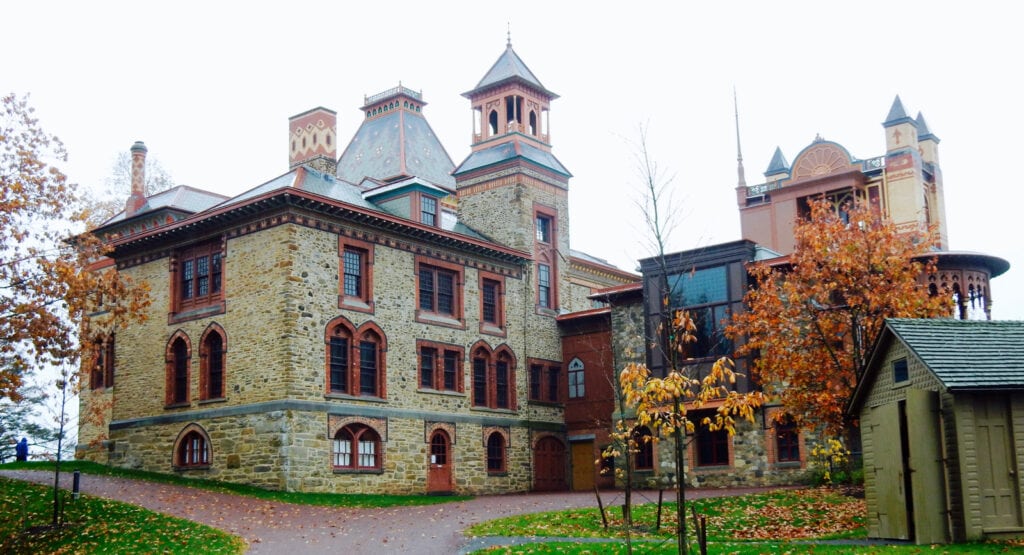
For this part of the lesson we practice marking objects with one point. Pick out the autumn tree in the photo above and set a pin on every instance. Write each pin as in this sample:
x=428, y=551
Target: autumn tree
x=810, y=322
x=664, y=404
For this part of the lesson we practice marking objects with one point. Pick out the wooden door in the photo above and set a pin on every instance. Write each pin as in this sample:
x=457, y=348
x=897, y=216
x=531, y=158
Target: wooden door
x=887, y=459
x=439, y=474
x=996, y=463
x=928, y=485
x=583, y=466
x=549, y=465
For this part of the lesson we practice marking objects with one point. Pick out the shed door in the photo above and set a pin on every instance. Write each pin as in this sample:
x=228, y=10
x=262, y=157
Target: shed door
x=927, y=485
x=891, y=513
x=1000, y=505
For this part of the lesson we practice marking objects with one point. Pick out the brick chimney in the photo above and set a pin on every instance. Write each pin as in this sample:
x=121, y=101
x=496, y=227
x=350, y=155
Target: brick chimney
x=312, y=137
x=137, y=199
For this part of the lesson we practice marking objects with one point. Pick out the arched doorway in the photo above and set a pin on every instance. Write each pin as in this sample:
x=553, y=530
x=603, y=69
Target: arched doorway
x=439, y=473
x=549, y=465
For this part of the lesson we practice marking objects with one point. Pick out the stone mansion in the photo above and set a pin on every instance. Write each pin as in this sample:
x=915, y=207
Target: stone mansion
x=388, y=321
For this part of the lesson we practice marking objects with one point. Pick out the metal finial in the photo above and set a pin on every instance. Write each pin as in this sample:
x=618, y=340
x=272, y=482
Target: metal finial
x=739, y=153
x=508, y=34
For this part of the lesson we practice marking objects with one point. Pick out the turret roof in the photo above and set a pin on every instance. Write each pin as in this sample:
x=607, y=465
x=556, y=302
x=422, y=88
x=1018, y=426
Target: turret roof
x=510, y=67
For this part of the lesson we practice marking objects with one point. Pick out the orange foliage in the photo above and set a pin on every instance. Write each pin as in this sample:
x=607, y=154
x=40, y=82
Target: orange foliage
x=810, y=324
x=47, y=292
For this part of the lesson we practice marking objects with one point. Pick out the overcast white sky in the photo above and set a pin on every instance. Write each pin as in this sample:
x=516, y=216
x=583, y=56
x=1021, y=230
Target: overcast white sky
x=209, y=87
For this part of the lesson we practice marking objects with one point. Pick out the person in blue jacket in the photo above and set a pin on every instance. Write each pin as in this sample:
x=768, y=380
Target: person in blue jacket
x=21, y=450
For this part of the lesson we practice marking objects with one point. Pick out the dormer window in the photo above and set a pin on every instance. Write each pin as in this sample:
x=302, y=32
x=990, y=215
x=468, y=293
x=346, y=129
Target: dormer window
x=428, y=211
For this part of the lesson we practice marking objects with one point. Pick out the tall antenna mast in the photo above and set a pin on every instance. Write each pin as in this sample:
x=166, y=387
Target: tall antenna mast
x=739, y=153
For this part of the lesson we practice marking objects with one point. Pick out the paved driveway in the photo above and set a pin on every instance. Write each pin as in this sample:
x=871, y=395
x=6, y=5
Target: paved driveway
x=272, y=527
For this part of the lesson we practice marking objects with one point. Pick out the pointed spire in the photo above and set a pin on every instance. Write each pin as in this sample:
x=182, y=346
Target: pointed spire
x=508, y=33
x=509, y=68
x=742, y=182
x=922, y=129
x=896, y=113
x=778, y=163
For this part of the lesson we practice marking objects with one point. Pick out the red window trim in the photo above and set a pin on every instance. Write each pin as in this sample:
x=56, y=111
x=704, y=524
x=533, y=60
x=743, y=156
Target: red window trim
x=541, y=392
x=492, y=357
x=356, y=430
x=694, y=453
x=102, y=375
x=198, y=306
x=181, y=445
x=170, y=369
x=363, y=302
x=546, y=253
x=440, y=350
x=498, y=326
x=503, y=467
x=454, y=320
x=368, y=330
x=205, y=361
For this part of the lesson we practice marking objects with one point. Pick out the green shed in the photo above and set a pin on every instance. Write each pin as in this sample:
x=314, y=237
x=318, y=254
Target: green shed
x=941, y=410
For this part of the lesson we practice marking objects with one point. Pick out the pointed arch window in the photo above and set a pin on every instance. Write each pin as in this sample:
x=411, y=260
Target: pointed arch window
x=494, y=381
x=178, y=366
x=496, y=453
x=212, y=359
x=192, y=449
x=355, y=359
x=356, y=447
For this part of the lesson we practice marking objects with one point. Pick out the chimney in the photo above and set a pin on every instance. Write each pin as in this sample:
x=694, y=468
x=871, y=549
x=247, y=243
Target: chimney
x=312, y=137
x=137, y=199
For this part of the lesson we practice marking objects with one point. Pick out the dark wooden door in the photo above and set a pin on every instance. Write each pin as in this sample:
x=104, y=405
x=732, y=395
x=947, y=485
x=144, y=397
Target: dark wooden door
x=549, y=465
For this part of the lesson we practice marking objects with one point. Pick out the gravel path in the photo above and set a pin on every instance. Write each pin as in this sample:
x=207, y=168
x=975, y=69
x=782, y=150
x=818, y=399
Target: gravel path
x=270, y=527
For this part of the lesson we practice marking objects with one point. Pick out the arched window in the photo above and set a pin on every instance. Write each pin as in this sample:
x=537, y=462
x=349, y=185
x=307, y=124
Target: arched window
x=177, y=357
x=370, y=367
x=495, y=453
x=355, y=359
x=192, y=449
x=644, y=448
x=211, y=375
x=492, y=122
x=493, y=375
x=533, y=123
x=339, y=350
x=103, y=365
x=356, y=447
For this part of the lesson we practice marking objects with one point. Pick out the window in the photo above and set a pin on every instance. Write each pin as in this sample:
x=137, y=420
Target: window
x=787, y=442
x=439, y=293
x=705, y=294
x=544, y=381
x=492, y=309
x=900, y=372
x=211, y=375
x=177, y=357
x=200, y=277
x=440, y=366
x=356, y=264
x=577, y=389
x=356, y=447
x=543, y=229
x=712, y=446
x=103, y=365
x=355, y=359
x=193, y=451
x=544, y=285
x=495, y=453
x=644, y=445
x=493, y=378
x=428, y=210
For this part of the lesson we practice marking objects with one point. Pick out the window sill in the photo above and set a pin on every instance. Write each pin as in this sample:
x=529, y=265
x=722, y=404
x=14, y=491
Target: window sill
x=211, y=309
x=355, y=303
x=337, y=470
x=547, y=311
x=188, y=468
x=713, y=468
x=440, y=320
x=491, y=329
x=213, y=401
x=497, y=473
x=493, y=410
x=542, y=403
x=448, y=392
x=347, y=397
x=181, y=405
x=787, y=464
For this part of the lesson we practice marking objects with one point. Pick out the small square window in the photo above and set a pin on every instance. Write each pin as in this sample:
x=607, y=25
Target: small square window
x=900, y=372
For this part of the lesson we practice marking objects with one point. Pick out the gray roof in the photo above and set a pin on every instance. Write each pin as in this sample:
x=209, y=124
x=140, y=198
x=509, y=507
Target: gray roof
x=181, y=198
x=398, y=144
x=778, y=163
x=966, y=354
x=510, y=67
x=508, y=151
x=896, y=113
x=922, y=129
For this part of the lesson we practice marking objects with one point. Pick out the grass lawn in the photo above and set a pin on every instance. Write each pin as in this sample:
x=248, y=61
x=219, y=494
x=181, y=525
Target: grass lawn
x=97, y=525
x=321, y=499
x=751, y=524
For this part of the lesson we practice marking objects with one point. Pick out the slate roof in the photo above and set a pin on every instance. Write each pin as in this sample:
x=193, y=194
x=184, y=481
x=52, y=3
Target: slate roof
x=966, y=354
x=778, y=163
x=181, y=198
x=510, y=67
x=398, y=144
x=897, y=114
x=510, y=150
